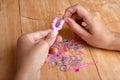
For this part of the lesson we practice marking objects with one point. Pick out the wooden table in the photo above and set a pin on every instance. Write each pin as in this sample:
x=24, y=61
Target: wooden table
x=22, y=16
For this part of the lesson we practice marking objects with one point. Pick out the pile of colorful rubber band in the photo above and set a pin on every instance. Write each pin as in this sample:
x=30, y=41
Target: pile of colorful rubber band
x=69, y=55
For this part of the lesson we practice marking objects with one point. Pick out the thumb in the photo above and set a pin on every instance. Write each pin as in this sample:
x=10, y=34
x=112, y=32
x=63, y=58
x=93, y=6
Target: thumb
x=76, y=27
x=50, y=39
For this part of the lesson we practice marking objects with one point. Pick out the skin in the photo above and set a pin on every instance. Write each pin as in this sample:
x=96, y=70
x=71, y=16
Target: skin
x=94, y=32
x=32, y=51
x=33, y=48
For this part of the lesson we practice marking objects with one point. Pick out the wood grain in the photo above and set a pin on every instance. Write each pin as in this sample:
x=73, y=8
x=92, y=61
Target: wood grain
x=10, y=30
x=41, y=20
x=108, y=66
x=23, y=16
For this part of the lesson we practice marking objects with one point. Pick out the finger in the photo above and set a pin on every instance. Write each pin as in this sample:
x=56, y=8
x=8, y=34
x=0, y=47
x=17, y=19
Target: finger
x=36, y=36
x=78, y=38
x=58, y=39
x=77, y=28
x=51, y=37
x=79, y=10
x=53, y=51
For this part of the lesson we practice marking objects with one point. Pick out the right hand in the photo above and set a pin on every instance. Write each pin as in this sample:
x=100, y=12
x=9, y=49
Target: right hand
x=94, y=32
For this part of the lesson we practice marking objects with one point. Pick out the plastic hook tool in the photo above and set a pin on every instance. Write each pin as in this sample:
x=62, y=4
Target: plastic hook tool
x=57, y=25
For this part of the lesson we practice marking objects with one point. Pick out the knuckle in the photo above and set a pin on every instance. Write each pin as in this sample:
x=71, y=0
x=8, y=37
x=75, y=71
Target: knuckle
x=96, y=13
x=68, y=9
x=22, y=37
x=77, y=6
x=44, y=43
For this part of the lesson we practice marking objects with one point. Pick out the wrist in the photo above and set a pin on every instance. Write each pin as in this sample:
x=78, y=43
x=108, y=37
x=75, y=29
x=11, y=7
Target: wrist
x=23, y=74
x=115, y=41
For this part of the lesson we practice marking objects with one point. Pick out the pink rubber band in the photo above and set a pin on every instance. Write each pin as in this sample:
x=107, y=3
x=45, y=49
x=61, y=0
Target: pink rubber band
x=59, y=27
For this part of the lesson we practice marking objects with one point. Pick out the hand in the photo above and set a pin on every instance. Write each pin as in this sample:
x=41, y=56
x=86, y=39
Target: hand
x=89, y=26
x=32, y=51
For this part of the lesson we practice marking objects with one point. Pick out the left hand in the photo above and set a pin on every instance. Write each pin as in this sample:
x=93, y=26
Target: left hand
x=32, y=51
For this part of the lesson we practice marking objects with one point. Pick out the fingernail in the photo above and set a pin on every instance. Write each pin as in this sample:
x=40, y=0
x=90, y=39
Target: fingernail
x=54, y=33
